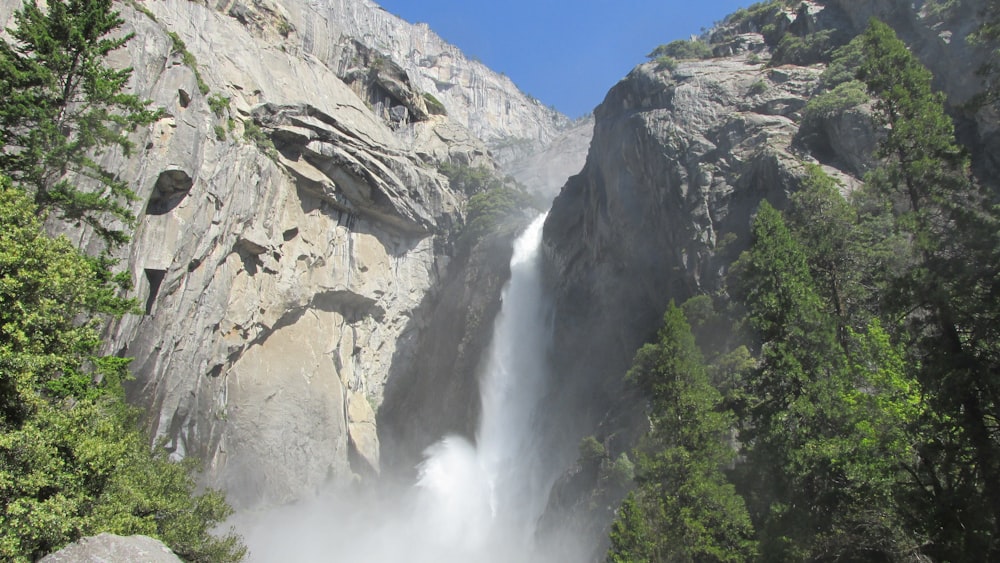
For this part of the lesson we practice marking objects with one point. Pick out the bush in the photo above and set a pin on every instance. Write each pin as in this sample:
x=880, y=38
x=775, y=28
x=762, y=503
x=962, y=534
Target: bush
x=218, y=104
x=470, y=180
x=189, y=60
x=665, y=62
x=835, y=102
x=434, y=106
x=592, y=450
x=489, y=209
x=683, y=49
x=810, y=49
x=253, y=133
x=844, y=65
x=621, y=472
x=757, y=88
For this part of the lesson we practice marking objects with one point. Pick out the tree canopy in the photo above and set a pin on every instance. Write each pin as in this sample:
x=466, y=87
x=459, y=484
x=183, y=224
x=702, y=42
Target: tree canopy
x=64, y=107
x=73, y=460
x=855, y=349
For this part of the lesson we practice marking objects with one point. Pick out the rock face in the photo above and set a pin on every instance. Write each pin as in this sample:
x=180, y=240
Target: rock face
x=343, y=34
x=109, y=548
x=284, y=246
x=293, y=229
x=443, y=375
x=679, y=161
x=546, y=171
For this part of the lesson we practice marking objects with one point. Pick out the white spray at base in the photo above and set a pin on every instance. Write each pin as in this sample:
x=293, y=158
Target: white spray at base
x=477, y=502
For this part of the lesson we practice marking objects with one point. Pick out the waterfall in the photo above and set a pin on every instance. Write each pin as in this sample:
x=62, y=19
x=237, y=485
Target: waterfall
x=472, y=502
x=484, y=500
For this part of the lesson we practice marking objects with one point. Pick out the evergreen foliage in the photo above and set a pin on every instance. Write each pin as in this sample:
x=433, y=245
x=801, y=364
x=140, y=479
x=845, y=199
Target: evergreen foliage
x=490, y=209
x=494, y=200
x=62, y=107
x=683, y=510
x=682, y=49
x=856, y=352
x=989, y=34
x=72, y=459
x=947, y=293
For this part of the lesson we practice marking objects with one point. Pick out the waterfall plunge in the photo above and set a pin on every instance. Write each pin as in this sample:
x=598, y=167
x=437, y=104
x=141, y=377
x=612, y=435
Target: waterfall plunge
x=485, y=500
x=471, y=502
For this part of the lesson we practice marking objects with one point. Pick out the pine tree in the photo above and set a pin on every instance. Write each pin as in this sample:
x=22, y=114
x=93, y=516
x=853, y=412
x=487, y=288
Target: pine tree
x=824, y=434
x=947, y=294
x=73, y=461
x=989, y=34
x=684, y=508
x=62, y=107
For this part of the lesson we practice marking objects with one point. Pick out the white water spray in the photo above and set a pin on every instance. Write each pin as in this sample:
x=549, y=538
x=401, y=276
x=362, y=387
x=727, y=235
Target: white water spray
x=486, y=499
x=477, y=502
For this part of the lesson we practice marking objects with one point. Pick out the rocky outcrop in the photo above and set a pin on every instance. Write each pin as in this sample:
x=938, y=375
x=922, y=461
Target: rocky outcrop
x=288, y=236
x=679, y=161
x=287, y=240
x=347, y=35
x=109, y=548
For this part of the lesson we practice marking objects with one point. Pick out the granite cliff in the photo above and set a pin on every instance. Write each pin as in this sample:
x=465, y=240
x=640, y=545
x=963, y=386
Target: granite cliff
x=683, y=152
x=294, y=228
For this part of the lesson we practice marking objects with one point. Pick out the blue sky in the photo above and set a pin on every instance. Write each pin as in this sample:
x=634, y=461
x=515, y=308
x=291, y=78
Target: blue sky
x=566, y=53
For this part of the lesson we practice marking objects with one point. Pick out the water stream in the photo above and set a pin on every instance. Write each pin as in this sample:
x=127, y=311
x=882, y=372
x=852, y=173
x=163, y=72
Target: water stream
x=485, y=499
x=472, y=502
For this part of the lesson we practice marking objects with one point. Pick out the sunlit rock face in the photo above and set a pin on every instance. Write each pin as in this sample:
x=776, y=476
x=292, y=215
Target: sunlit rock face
x=486, y=102
x=290, y=240
x=278, y=269
x=679, y=161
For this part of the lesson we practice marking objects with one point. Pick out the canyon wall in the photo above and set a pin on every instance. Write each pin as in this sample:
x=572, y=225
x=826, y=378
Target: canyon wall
x=681, y=156
x=294, y=231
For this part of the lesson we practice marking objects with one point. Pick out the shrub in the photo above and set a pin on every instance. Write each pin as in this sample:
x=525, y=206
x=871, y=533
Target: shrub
x=809, y=49
x=253, y=133
x=621, y=472
x=188, y=59
x=218, y=104
x=940, y=9
x=665, y=62
x=757, y=88
x=592, y=450
x=434, y=106
x=834, y=102
x=844, y=65
x=683, y=49
x=489, y=209
x=470, y=180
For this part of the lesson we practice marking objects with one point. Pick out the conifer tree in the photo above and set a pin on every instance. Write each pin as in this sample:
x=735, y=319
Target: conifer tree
x=989, y=34
x=73, y=461
x=947, y=294
x=62, y=107
x=684, y=508
x=824, y=435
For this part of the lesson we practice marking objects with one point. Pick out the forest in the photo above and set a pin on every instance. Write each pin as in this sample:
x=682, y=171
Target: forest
x=839, y=398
